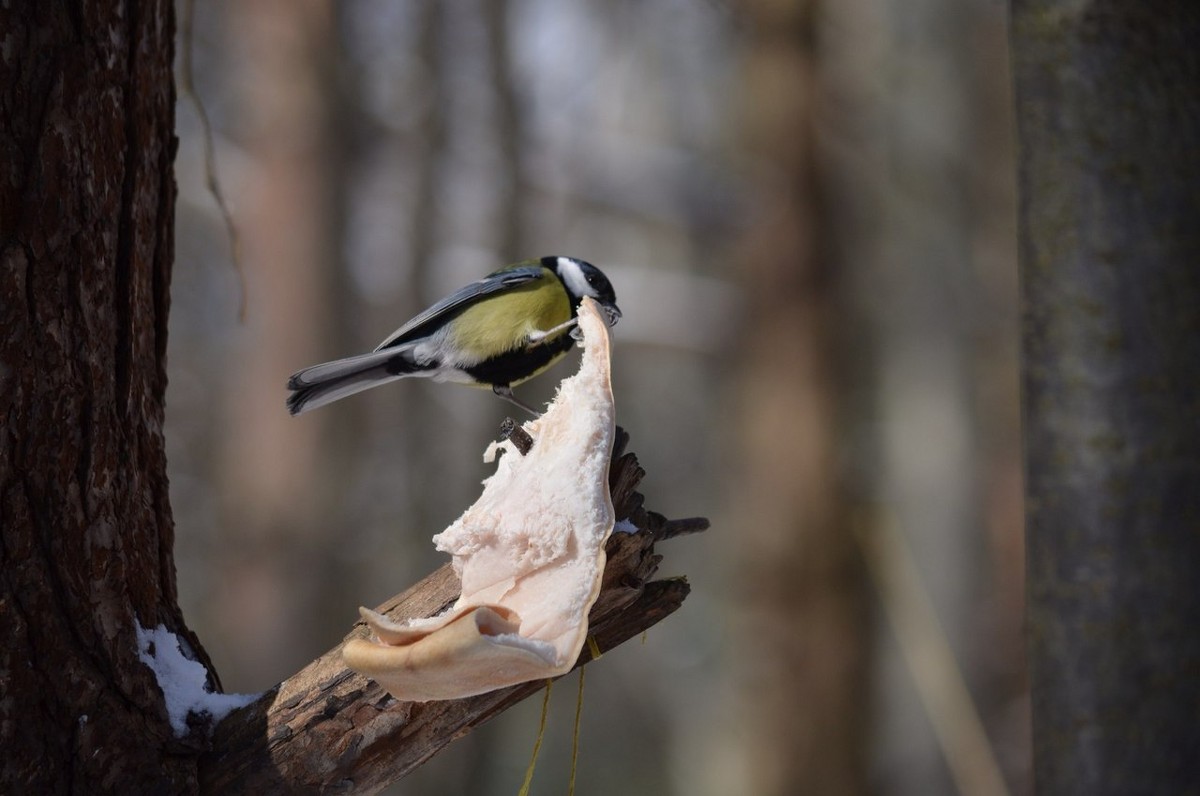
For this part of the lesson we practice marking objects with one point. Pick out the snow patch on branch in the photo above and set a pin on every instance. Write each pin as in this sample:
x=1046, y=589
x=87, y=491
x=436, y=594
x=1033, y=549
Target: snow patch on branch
x=625, y=526
x=184, y=682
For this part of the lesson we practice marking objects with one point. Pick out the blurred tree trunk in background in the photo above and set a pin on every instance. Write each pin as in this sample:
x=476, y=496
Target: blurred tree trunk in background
x=278, y=508
x=87, y=204
x=915, y=144
x=805, y=624
x=1109, y=125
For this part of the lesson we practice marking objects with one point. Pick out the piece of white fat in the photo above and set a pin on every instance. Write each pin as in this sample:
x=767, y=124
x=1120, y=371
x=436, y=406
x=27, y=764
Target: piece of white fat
x=529, y=552
x=182, y=680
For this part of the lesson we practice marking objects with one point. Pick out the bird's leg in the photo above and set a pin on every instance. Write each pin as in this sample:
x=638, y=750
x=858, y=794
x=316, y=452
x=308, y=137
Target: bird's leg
x=537, y=336
x=505, y=392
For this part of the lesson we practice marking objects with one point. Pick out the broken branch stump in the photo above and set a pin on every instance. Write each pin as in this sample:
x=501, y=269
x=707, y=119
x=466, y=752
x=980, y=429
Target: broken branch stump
x=327, y=728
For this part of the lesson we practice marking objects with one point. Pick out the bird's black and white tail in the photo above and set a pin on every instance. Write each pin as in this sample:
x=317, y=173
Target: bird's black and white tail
x=322, y=384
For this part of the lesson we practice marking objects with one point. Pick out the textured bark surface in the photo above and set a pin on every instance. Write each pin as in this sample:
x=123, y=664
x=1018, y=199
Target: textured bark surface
x=328, y=728
x=87, y=199
x=1109, y=124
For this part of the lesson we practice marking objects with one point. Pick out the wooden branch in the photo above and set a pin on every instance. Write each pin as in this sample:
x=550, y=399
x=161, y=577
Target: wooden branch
x=328, y=728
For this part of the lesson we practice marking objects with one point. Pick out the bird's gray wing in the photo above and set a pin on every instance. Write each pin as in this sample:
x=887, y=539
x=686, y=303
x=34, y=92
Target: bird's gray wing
x=492, y=283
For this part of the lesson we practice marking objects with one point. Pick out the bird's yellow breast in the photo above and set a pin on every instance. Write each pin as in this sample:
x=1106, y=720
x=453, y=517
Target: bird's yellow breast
x=504, y=322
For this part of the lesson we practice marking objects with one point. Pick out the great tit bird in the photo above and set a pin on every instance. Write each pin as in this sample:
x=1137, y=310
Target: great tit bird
x=497, y=332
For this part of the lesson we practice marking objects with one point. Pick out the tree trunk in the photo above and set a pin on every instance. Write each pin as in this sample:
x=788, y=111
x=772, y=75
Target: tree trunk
x=803, y=593
x=277, y=509
x=87, y=203
x=1109, y=124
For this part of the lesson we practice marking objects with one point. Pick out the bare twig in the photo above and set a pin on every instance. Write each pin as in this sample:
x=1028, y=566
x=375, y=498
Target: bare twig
x=211, y=181
x=519, y=437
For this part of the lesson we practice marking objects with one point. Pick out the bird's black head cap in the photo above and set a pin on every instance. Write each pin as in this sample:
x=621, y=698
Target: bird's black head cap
x=584, y=279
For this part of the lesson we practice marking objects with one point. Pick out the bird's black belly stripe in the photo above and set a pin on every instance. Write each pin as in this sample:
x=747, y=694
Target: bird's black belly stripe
x=516, y=366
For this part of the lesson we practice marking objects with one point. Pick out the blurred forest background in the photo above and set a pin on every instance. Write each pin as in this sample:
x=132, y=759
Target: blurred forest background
x=808, y=212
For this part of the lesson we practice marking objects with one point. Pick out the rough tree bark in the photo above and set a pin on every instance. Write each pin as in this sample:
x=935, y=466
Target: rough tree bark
x=87, y=201
x=1109, y=124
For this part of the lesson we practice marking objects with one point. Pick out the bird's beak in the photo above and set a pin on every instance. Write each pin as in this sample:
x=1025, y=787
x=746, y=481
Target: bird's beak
x=612, y=313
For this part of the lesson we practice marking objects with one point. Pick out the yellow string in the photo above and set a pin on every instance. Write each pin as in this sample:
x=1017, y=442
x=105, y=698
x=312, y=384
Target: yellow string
x=537, y=746
x=593, y=648
x=575, y=738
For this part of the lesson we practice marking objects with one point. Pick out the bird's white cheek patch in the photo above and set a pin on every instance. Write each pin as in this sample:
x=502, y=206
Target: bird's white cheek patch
x=529, y=552
x=573, y=277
